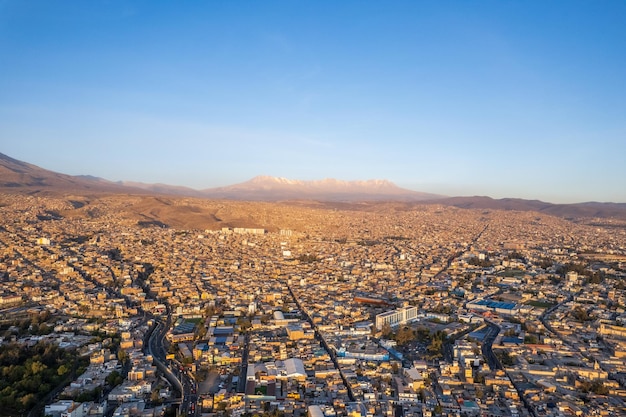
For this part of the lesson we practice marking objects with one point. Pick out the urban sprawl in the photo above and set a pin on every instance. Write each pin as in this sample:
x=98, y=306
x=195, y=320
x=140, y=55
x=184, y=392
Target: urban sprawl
x=423, y=311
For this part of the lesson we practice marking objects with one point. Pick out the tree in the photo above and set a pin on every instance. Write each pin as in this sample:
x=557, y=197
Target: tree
x=28, y=401
x=422, y=334
x=155, y=398
x=122, y=356
x=115, y=254
x=62, y=370
x=387, y=331
x=580, y=314
x=504, y=357
x=436, y=347
x=597, y=277
x=307, y=258
x=404, y=336
x=114, y=379
x=244, y=323
x=201, y=331
x=37, y=367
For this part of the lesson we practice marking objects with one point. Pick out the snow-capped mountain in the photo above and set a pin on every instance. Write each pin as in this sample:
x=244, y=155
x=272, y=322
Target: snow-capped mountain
x=269, y=188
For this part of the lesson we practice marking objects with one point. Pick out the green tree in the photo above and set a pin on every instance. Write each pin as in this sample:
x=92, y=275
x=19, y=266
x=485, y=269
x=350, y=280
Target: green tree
x=422, y=334
x=435, y=347
x=37, y=367
x=122, y=356
x=580, y=314
x=387, y=331
x=404, y=336
x=62, y=370
x=27, y=401
x=114, y=379
x=155, y=398
x=504, y=357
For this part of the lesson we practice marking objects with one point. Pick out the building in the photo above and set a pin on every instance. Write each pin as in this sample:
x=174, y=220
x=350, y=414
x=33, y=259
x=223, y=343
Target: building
x=396, y=317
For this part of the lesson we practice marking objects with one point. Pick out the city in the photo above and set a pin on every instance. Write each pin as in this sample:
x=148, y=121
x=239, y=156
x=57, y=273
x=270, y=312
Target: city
x=422, y=311
x=312, y=208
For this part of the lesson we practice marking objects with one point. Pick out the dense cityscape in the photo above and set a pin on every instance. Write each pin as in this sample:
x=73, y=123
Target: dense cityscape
x=312, y=208
x=302, y=310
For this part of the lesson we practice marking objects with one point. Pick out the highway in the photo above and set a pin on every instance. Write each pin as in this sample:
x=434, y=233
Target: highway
x=494, y=363
x=487, y=346
x=174, y=372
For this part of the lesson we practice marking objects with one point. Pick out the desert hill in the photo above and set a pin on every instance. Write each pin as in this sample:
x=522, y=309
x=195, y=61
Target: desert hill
x=21, y=177
x=570, y=211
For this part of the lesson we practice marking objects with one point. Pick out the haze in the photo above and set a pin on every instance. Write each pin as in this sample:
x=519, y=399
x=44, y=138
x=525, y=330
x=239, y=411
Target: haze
x=506, y=99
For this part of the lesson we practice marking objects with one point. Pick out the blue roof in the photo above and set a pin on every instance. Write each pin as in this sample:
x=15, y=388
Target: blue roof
x=184, y=327
x=496, y=304
x=478, y=335
x=223, y=330
x=512, y=340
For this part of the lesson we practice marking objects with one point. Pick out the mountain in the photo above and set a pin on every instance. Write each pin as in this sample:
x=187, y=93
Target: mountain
x=163, y=188
x=577, y=210
x=21, y=177
x=266, y=188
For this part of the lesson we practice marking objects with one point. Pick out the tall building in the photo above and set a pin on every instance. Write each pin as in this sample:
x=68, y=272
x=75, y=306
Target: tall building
x=396, y=317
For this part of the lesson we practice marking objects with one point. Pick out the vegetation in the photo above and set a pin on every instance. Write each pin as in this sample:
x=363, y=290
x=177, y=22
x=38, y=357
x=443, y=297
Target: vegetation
x=483, y=263
x=34, y=323
x=114, y=379
x=515, y=256
x=435, y=348
x=504, y=357
x=597, y=387
x=580, y=314
x=114, y=254
x=307, y=258
x=368, y=242
x=596, y=278
x=442, y=309
x=29, y=373
x=545, y=263
x=404, y=336
x=540, y=304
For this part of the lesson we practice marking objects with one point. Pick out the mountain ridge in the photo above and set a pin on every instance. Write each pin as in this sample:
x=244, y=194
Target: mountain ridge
x=268, y=188
x=21, y=177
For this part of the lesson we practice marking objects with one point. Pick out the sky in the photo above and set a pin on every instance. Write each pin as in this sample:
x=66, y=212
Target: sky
x=502, y=98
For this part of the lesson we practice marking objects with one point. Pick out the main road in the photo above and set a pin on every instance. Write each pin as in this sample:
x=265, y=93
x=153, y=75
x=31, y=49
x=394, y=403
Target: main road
x=487, y=346
x=570, y=343
x=319, y=337
x=179, y=377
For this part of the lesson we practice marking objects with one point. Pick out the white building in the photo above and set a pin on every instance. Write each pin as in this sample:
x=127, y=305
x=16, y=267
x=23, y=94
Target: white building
x=396, y=317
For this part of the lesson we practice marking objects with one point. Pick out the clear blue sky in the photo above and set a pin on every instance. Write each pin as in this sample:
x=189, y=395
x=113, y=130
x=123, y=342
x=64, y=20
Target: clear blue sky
x=501, y=98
